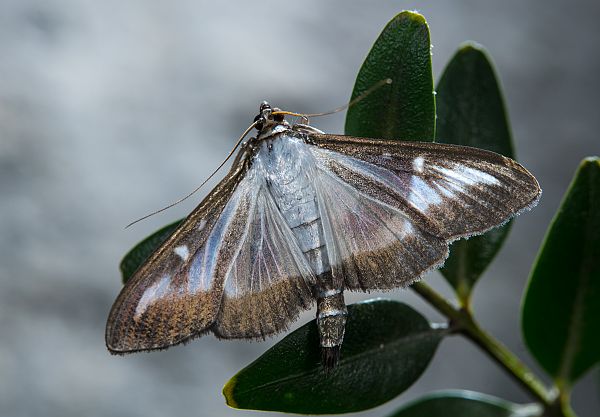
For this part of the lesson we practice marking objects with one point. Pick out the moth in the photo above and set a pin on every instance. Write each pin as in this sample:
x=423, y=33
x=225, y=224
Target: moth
x=303, y=216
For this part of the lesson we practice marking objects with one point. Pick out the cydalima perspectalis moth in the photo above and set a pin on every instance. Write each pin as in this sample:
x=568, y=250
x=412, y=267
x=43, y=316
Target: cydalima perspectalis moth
x=303, y=216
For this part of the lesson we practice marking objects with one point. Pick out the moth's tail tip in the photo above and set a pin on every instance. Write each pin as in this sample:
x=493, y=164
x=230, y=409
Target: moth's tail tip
x=330, y=357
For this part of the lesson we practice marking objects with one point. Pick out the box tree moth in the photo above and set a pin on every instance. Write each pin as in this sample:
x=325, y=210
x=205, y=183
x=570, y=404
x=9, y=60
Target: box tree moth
x=303, y=216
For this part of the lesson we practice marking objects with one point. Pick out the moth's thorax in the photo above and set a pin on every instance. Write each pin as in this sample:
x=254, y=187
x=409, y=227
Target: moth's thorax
x=273, y=129
x=288, y=167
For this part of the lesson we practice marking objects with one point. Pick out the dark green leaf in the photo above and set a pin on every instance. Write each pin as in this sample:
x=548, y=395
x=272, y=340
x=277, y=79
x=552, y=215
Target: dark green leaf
x=405, y=109
x=561, y=311
x=140, y=252
x=470, y=105
x=458, y=403
x=387, y=347
x=471, y=112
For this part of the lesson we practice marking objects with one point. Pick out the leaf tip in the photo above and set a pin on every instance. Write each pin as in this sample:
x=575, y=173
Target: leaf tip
x=471, y=46
x=412, y=15
x=591, y=160
x=475, y=51
x=228, y=392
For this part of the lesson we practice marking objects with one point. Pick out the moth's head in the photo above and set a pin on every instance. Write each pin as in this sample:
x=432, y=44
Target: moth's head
x=270, y=120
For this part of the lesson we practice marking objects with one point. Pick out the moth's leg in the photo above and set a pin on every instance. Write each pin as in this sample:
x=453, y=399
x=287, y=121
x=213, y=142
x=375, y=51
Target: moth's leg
x=331, y=318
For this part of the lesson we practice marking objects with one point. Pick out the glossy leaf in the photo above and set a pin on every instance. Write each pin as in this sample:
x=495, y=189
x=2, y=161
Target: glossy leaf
x=140, y=252
x=561, y=309
x=471, y=112
x=405, y=109
x=387, y=347
x=458, y=403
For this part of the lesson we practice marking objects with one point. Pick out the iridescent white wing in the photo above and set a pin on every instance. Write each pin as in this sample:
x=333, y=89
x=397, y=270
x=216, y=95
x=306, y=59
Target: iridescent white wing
x=426, y=194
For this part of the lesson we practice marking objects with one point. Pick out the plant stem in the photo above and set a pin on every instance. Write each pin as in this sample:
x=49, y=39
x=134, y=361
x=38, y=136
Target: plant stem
x=563, y=400
x=463, y=321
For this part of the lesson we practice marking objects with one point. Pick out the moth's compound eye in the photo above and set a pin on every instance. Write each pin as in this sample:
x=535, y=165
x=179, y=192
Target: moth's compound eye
x=264, y=105
x=279, y=117
x=260, y=122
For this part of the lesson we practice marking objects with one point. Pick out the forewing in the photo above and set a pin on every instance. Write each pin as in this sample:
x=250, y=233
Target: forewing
x=267, y=284
x=452, y=191
x=170, y=298
x=232, y=267
x=426, y=194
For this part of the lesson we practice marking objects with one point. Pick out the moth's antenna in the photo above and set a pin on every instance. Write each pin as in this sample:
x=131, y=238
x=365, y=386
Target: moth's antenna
x=376, y=86
x=203, y=182
x=362, y=96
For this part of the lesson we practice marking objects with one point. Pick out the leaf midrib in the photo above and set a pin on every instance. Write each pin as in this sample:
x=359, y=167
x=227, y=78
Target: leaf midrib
x=574, y=330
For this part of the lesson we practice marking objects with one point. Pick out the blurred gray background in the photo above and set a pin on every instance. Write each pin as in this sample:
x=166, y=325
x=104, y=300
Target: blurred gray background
x=111, y=109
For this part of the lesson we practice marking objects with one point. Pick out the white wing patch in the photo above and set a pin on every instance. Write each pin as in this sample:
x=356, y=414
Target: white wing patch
x=183, y=252
x=419, y=164
x=155, y=290
x=205, y=263
x=422, y=195
x=466, y=175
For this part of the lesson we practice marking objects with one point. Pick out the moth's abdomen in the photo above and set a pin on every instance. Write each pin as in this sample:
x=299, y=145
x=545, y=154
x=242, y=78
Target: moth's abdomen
x=310, y=240
x=290, y=171
x=331, y=319
x=290, y=175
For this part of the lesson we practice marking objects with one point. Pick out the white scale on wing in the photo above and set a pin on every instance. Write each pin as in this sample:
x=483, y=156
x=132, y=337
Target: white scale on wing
x=422, y=190
x=422, y=195
x=454, y=180
x=204, y=263
x=183, y=252
x=151, y=293
x=466, y=175
x=419, y=164
x=417, y=191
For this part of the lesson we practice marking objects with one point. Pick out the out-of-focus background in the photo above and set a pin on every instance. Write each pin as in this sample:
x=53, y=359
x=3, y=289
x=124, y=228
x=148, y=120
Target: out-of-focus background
x=111, y=109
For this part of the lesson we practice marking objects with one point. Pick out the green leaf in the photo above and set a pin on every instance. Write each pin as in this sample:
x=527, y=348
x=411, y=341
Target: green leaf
x=405, y=109
x=471, y=112
x=387, y=347
x=140, y=252
x=561, y=309
x=458, y=403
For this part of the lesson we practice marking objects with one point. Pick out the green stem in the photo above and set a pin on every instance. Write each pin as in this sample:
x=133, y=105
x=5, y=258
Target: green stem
x=563, y=400
x=463, y=321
